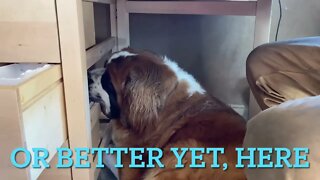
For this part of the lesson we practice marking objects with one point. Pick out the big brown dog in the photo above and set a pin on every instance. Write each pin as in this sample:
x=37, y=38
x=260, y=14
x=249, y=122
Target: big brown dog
x=155, y=103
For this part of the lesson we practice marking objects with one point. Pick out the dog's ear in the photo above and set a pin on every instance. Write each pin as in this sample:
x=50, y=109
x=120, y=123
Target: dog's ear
x=145, y=92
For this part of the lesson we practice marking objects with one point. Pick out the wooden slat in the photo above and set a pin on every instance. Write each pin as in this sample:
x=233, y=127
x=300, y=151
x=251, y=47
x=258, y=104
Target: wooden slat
x=73, y=54
x=88, y=21
x=238, y=8
x=96, y=138
x=99, y=51
x=102, y=1
x=261, y=36
x=108, y=160
x=37, y=84
x=11, y=135
x=123, y=31
x=263, y=22
x=95, y=112
x=113, y=23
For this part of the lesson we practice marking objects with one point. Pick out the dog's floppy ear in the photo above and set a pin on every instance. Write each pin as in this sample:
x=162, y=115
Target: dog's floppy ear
x=145, y=92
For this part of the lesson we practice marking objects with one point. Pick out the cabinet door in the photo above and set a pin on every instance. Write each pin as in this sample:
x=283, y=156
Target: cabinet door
x=29, y=31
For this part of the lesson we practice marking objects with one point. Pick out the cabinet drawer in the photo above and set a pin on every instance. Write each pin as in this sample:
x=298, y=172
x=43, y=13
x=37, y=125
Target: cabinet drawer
x=32, y=113
x=44, y=124
x=29, y=31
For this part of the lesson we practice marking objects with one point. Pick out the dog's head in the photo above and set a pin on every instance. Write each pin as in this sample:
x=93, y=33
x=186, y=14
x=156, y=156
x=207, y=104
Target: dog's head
x=135, y=86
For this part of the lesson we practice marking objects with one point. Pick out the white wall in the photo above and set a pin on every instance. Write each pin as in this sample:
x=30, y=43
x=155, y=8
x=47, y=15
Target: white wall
x=300, y=18
x=214, y=48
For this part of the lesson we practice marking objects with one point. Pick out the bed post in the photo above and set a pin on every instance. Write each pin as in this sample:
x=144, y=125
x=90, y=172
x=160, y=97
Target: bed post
x=261, y=36
x=123, y=36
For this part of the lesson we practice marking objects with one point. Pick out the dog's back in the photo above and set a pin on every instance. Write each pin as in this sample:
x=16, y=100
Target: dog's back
x=207, y=123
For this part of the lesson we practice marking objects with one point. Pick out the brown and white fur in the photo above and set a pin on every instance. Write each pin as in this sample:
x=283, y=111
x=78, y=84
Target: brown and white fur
x=161, y=105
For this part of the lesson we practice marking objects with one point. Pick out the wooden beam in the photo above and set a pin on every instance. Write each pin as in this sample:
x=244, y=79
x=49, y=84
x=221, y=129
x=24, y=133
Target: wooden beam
x=74, y=70
x=237, y=8
x=113, y=23
x=261, y=36
x=123, y=31
x=102, y=1
x=97, y=52
x=263, y=22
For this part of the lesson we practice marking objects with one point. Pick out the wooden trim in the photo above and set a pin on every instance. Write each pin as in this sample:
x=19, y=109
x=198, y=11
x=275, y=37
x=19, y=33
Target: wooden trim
x=238, y=8
x=89, y=24
x=102, y=1
x=113, y=23
x=30, y=89
x=11, y=134
x=95, y=111
x=261, y=36
x=106, y=131
x=74, y=69
x=38, y=96
x=99, y=51
x=123, y=39
x=263, y=22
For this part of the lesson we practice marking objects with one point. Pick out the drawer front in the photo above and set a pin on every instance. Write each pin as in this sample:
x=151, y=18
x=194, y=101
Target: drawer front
x=44, y=124
x=38, y=84
x=28, y=31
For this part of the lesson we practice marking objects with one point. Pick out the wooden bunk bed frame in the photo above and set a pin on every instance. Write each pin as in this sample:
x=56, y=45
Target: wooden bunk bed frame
x=72, y=48
x=76, y=60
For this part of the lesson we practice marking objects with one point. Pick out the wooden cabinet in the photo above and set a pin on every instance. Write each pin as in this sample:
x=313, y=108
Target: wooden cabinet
x=32, y=113
x=47, y=105
x=29, y=31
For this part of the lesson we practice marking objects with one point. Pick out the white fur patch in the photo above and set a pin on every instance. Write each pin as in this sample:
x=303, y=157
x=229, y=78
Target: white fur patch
x=96, y=90
x=120, y=54
x=182, y=75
